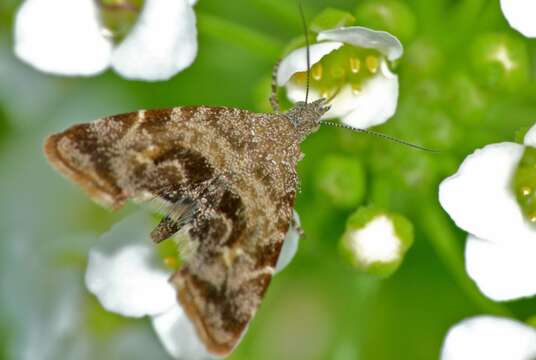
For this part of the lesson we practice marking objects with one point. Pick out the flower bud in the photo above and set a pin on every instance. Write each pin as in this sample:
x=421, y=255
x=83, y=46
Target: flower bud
x=394, y=17
x=375, y=241
x=500, y=60
x=342, y=180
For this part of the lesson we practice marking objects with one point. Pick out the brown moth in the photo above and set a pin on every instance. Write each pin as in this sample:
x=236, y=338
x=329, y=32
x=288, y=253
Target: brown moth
x=228, y=177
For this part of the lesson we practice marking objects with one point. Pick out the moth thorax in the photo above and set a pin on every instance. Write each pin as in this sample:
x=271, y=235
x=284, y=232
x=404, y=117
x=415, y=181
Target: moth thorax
x=306, y=117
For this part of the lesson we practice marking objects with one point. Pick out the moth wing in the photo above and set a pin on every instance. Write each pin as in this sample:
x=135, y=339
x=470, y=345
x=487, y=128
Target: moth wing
x=228, y=268
x=127, y=156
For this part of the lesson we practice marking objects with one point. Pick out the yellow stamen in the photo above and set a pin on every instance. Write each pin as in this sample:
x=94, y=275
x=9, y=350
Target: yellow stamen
x=373, y=63
x=357, y=88
x=533, y=218
x=526, y=191
x=355, y=65
x=326, y=93
x=171, y=262
x=300, y=77
x=316, y=71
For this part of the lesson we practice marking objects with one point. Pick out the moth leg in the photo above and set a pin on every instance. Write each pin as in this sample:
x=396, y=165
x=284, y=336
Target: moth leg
x=274, y=100
x=170, y=224
x=186, y=204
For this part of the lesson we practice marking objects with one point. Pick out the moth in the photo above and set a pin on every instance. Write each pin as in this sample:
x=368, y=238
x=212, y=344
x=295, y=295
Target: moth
x=228, y=179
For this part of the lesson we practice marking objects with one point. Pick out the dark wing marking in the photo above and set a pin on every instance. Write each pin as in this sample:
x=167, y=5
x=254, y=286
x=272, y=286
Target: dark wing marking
x=225, y=277
x=222, y=176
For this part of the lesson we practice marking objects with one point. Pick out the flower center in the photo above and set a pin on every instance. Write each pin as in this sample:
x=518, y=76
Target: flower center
x=525, y=184
x=347, y=65
x=117, y=17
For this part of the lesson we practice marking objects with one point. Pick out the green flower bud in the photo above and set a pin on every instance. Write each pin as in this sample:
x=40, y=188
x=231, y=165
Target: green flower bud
x=331, y=19
x=525, y=184
x=375, y=241
x=119, y=16
x=500, y=61
x=342, y=180
x=392, y=16
x=468, y=102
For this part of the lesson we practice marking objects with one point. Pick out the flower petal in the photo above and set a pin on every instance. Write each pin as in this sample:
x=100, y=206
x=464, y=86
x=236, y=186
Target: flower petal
x=363, y=37
x=490, y=338
x=178, y=335
x=520, y=15
x=61, y=37
x=501, y=271
x=296, y=61
x=290, y=244
x=376, y=103
x=162, y=43
x=530, y=137
x=479, y=197
x=125, y=273
x=373, y=105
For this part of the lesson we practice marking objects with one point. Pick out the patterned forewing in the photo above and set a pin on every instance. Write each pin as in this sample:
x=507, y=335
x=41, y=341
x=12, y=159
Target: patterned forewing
x=239, y=169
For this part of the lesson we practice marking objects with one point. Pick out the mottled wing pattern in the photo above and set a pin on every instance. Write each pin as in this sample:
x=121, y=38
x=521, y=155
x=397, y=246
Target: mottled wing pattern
x=231, y=171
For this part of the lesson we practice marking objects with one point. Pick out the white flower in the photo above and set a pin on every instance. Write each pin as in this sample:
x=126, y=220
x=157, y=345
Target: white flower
x=376, y=241
x=480, y=199
x=520, y=15
x=490, y=338
x=128, y=277
x=66, y=37
x=363, y=89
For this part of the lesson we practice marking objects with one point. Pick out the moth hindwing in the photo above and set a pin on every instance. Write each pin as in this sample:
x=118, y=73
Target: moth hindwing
x=228, y=176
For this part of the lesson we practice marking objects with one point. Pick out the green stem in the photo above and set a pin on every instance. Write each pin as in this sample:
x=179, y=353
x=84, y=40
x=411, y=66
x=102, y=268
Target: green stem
x=445, y=243
x=238, y=35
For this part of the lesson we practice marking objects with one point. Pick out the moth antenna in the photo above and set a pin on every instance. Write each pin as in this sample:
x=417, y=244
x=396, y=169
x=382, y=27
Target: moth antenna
x=307, y=50
x=380, y=135
x=274, y=100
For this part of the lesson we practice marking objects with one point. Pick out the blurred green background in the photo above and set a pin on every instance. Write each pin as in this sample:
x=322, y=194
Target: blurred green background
x=454, y=98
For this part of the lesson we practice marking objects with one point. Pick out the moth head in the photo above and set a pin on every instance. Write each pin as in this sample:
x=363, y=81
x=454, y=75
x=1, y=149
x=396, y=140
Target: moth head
x=306, y=116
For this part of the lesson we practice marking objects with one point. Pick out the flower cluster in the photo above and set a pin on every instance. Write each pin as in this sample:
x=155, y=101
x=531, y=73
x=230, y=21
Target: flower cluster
x=481, y=199
x=68, y=37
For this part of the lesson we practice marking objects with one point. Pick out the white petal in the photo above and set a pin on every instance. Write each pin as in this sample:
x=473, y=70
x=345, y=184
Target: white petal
x=520, y=14
x=376, y=242
x=192, y=2
x=178, y=335
x=125, y=273
x=382, y=41
x=376, y=103
x=296, y=61
x=61, y=37
x=479, y=197
x=502, y=271
x=530, y=137
x=489, y=338
x=290, y=244
x=162, y=43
